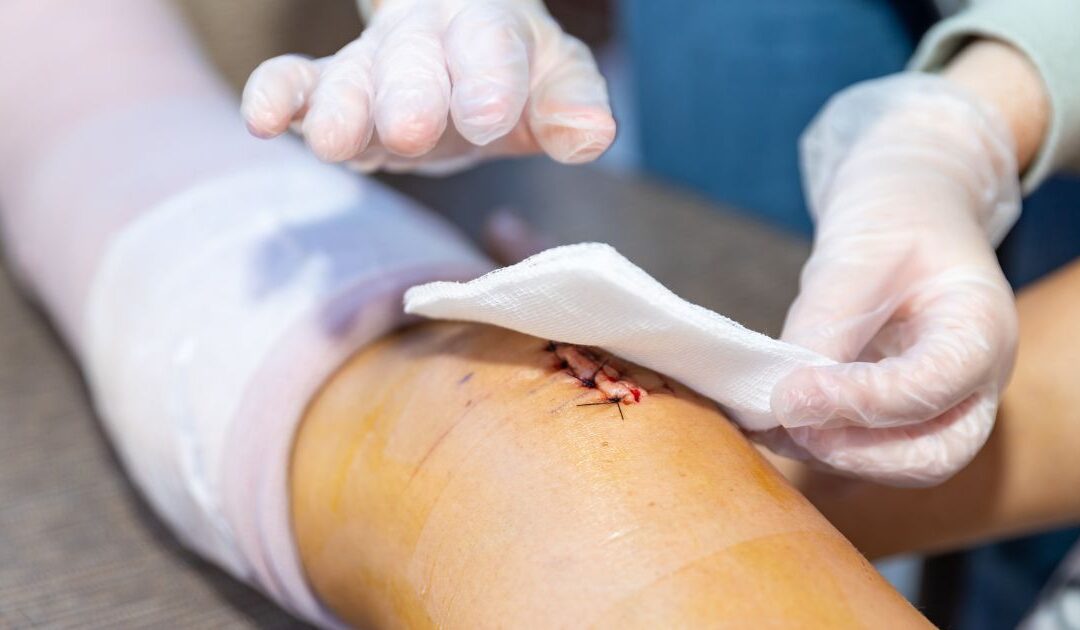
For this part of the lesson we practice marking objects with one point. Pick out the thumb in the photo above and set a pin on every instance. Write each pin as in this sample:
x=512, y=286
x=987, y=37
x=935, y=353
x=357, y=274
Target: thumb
x=917, y=455
x=958, y=335
x=844, y=300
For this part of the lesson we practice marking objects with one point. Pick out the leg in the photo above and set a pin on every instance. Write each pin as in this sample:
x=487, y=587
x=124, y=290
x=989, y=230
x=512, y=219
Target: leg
x=201, y=360
x=449, y=476
x=206, y=281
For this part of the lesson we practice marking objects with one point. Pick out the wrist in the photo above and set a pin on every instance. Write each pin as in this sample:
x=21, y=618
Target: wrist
x=916, y=135
x=1003, y=78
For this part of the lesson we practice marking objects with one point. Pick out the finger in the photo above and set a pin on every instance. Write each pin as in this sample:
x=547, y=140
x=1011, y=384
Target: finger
x=848, y=289
x=276, y=93
x=339, y=122
x=958, y=337
x=412, y=87
x=452, y=154
x=488, y=59
x=920, y=455
x=569, y=113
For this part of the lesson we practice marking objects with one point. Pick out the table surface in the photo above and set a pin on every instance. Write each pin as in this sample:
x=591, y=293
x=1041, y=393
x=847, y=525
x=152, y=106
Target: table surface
x=78, y=548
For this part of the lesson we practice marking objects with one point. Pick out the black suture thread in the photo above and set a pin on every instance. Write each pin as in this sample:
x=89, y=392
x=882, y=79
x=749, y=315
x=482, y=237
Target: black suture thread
x=611, y=401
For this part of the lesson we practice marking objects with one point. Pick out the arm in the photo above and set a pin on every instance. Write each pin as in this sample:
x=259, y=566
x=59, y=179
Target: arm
x=447, y=476
x=1011, y=486
x=1045, y=32
x=1004, y=77
x=912, y=179
x=1025, y=478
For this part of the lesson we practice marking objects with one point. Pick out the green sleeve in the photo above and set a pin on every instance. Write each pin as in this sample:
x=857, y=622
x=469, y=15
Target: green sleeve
x=1048, y=32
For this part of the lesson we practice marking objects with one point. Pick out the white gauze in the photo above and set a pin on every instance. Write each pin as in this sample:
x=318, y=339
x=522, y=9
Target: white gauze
x=589, y=294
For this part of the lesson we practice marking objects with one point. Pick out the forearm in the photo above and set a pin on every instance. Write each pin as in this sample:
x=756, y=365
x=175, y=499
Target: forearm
x=1024, y=479
x=1045, y=31
x=1009, y=486
x=448, y=476
x=1005, y=78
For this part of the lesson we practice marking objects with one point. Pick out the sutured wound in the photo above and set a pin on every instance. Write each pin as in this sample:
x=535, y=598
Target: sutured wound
x=596, y=374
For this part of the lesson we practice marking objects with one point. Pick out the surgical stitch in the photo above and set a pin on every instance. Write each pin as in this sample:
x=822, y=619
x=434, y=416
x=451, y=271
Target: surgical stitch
x=594, y=374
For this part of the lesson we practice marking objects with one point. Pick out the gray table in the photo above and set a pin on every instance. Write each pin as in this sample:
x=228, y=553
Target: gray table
x=78, y=548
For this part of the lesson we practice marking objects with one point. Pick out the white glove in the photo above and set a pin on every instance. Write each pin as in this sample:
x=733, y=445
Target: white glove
x=510, y=79
x=911, y=182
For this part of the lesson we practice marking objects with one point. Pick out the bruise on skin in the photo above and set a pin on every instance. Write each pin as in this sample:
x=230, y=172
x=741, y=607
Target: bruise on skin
x=583, y=365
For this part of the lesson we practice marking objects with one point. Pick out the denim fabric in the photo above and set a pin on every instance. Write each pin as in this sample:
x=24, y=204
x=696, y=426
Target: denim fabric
x=724, y=88
x=1048, y=233
x=1002, y=581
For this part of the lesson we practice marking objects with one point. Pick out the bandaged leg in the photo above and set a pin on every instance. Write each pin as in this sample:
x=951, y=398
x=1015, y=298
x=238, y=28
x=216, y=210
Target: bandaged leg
x=210, y=285
x=207, y=282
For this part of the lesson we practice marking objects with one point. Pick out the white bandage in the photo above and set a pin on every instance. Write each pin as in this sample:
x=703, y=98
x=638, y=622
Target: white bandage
x=588, y=294
x=215, y=316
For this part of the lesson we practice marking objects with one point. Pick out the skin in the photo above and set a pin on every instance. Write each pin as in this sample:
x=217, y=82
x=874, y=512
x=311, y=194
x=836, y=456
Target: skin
x=668, y=517
x=1005, y=78
x=423, y=495
x=446, y=476
x=1026, y=477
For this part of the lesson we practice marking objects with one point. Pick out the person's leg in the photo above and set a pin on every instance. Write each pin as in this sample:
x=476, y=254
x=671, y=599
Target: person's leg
x=207, y=282
x=107, y=110
x=457, y=475
x=210, y=284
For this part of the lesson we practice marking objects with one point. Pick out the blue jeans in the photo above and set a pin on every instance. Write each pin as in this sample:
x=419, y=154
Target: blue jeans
x=724, y=88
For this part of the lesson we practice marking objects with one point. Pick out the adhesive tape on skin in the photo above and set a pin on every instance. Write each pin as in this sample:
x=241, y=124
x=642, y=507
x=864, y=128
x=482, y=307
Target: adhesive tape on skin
x=589, y=294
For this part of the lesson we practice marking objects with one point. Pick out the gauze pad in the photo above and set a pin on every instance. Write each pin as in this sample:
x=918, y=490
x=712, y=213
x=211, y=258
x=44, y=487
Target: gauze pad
x=588, y=294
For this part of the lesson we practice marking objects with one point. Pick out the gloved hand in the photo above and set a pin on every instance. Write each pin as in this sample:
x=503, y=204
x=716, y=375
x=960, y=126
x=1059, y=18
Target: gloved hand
x=912, y=182
x=510, y=79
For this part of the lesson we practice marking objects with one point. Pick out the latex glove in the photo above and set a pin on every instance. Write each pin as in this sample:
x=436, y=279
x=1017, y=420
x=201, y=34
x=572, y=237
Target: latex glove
x=911, y=183
x=503, y=71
